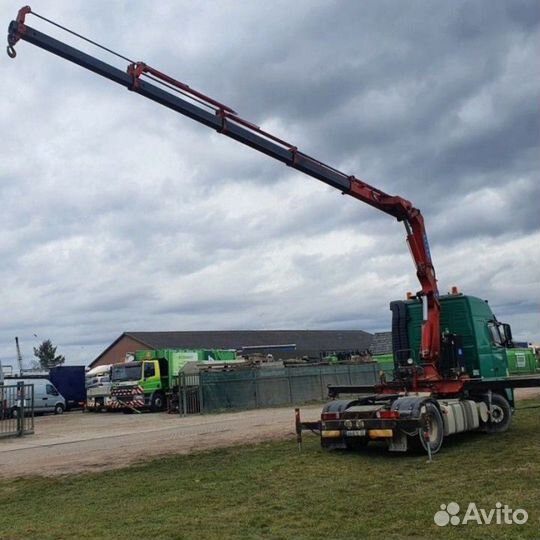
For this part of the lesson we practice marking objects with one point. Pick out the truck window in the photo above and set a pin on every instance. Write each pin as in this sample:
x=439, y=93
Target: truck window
x=495, y=334
x=51, y=390
x=149, y=370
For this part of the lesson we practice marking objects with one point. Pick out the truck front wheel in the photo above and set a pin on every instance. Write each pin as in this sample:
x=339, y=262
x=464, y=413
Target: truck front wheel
x=158, y=402
x=433, y=434
x=500, y=414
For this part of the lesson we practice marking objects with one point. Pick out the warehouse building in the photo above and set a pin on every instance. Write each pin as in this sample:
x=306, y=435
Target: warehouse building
x=281, y=343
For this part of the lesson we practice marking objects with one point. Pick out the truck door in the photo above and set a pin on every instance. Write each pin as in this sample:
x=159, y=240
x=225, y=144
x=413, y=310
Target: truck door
x=498, y=366
x=151, y=376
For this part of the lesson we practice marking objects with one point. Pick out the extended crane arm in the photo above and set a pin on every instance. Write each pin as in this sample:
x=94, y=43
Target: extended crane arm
x=181, y=98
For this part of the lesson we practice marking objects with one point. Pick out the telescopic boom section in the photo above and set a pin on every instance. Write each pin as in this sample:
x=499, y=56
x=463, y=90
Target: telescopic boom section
x=179, y=97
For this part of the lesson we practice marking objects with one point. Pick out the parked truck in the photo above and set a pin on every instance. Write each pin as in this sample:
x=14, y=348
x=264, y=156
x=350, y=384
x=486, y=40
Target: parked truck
x=70, y=382
x=98, y=388
x=476, y=393
x=150, y=380
x=522, y=360
x=450, y=352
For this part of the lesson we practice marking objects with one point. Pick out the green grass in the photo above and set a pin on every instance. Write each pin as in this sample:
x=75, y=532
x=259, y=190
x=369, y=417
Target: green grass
x=272, y=491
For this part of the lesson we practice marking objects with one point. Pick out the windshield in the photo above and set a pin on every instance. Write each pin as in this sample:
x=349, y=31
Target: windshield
x=127, y=372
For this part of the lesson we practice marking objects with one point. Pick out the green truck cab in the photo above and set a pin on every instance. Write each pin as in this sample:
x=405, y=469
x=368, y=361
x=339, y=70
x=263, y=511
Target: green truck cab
x=474, y=342
x=149, y=380
x=471, y=390
x=470, y=331
x=140, y=384
x=481, y=345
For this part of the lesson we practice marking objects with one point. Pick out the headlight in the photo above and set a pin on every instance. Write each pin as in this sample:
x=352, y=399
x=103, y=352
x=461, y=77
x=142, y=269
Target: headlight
x=348, y=424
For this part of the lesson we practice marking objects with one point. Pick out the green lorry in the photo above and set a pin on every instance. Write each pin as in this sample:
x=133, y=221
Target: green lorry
x=459, y=313
x=522, y=360
x=480, y=369
x=149, y=380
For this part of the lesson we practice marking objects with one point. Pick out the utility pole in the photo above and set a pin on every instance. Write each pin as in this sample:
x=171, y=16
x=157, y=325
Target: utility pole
x=19, y=356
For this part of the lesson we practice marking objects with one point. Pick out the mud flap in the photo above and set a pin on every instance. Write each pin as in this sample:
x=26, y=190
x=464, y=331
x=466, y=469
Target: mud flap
x=398, y=443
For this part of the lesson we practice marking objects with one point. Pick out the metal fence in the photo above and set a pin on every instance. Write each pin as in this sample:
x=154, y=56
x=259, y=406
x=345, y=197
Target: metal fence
x=251, y=389
x=16, y=410
x=189, y=394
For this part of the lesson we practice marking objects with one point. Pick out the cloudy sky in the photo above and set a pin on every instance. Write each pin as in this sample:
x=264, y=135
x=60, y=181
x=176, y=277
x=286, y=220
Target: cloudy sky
x=118, y=214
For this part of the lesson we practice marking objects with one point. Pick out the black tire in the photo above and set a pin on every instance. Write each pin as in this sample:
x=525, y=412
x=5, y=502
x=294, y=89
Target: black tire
x=58, y=409
x=158, y=402
x=500, y=415
x=435, y=429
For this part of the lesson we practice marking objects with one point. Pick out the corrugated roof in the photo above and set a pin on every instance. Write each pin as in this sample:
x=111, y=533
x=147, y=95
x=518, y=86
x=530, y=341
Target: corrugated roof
x=235, y=339
x=306, y=341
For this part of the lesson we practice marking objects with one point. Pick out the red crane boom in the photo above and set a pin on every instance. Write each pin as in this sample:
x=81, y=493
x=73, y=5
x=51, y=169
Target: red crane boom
x=180, y=97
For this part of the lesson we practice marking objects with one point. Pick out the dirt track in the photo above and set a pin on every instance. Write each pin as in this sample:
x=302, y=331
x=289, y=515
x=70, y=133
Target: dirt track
x=77, y=442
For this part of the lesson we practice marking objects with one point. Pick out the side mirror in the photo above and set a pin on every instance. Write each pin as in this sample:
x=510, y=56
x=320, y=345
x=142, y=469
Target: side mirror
x=507, y=335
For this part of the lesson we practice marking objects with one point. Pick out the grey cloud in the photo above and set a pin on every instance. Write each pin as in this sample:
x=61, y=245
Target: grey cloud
x=119, y=214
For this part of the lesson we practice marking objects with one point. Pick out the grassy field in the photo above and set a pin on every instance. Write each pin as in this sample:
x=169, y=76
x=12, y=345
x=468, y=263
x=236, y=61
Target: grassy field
x=273, y=491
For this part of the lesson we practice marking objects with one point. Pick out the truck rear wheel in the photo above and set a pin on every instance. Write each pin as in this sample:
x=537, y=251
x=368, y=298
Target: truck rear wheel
x=434, y=433
x=500, y=414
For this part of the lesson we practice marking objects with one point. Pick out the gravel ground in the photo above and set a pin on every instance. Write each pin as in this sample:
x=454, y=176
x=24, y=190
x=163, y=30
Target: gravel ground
x=77, y=442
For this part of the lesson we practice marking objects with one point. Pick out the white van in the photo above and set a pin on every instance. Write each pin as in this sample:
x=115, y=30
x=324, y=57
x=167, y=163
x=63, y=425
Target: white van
x=46, y=397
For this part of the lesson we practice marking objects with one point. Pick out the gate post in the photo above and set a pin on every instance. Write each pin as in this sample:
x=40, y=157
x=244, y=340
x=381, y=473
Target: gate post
x=20, y=409
x=182, y=380
x=31, y=415
x=200, y=394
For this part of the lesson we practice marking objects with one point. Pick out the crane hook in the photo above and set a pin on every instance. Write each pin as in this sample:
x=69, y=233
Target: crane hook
x=12, y=53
